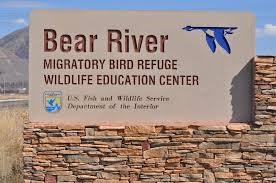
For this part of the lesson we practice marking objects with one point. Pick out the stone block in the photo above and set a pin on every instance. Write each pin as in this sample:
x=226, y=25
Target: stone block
x=71, y=127
x=90, y=167
x=264, y=138
x=50, y=179
x=209, y=177
x=89, y=131
x=135, y=138
x=81, y=159
x=107, y=138
x=70, y=178
x=157, y=152
x=139, y=130
x=113, y=159
x=86, y=177
x=106, y=133
x=127, y=152
x=238, y=127
x=223, y=140
x=61, y=140
x=212, y=128
x=110, y=181
x=111, y=127
x=271, y=108
x=110, y=176
x=224, y=175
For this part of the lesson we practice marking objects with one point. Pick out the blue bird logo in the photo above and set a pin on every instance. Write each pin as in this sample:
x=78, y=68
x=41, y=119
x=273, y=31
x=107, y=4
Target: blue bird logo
x=52, y=105
x=51, y=102
x=219, y=36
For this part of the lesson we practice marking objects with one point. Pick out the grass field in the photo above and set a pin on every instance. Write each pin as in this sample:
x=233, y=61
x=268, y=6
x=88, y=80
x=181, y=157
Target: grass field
x=13, y=96
x=11, y=128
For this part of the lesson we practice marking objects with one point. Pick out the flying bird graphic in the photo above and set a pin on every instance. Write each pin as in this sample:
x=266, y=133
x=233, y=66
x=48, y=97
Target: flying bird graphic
x=219, y=36
x=51, y=101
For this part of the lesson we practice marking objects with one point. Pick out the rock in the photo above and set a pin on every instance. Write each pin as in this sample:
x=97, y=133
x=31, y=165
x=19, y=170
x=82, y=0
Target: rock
x=253, y=155
x=233, y=155
x=111, y=127
x=86, y=177
x=95, y=153
x=50, y=179
x=139, y=130
x=260, y=117
x=106, y=133
x=110, y=181
x=241, y=176
x=113, y=159
x=81, y=159
x=71, y=127
x=89, y=131
x=269, y=92
x=221, y=140
x=224, y=175
x=211, y=163
x=70, y=178
x=41, y=134
x=79, y=148
x=127, y=152
x=271, y=157
x=258, y=123
x=116, y=168
x=92, y=138
x=272, y=100
x=145, y=145
x=271, y=108
x=157, y=152
x=209, y=177
x=61, y=140
x=265, y=138
x=69, y=152
x=90, y=167
x=60, y=172
x=212, y=128
x=112, y=176
x=264, y=59
x=135, y=138
x=184, y=139
x=238, y=127
x=175, y=177
x=268, y=128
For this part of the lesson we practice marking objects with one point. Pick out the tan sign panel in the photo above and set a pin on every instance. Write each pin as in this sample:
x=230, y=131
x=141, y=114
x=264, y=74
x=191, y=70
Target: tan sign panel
x=141, y=67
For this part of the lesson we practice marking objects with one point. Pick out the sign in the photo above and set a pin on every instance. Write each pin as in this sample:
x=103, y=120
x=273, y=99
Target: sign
x=141, y=67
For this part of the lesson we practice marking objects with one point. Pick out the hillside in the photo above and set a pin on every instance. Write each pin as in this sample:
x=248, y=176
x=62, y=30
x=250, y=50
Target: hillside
x=14, y=59
x=17, y=42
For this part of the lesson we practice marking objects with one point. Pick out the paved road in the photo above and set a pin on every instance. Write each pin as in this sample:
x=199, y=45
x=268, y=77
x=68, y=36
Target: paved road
x=13, y=103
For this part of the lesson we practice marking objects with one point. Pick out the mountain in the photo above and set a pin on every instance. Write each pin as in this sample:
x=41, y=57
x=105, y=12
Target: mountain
x=17, y=42
x=14, y=59
x=12, y=68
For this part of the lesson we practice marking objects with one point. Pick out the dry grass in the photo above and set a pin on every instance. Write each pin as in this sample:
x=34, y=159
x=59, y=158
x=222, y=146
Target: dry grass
x=13, y=96
x=11, y=128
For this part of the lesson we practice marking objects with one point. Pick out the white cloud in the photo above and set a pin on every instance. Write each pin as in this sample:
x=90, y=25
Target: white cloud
x=267, y=30
x=270, y=29
x=22, y=4
x=21, y=21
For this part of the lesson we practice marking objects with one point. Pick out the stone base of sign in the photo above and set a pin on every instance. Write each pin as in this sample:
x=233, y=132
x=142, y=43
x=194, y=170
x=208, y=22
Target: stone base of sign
x=237, y=152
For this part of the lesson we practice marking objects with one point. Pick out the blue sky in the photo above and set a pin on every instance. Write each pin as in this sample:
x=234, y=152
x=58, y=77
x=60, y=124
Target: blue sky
x=14, y=13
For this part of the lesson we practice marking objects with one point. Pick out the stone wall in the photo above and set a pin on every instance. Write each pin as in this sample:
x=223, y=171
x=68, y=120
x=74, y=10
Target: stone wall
x=237, y=152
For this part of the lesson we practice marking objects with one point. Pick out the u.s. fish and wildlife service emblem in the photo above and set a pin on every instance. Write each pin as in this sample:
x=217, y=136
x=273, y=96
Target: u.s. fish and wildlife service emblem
x=52, y=101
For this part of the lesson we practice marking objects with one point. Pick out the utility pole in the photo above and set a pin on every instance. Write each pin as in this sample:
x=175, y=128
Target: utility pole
x=4, y=85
